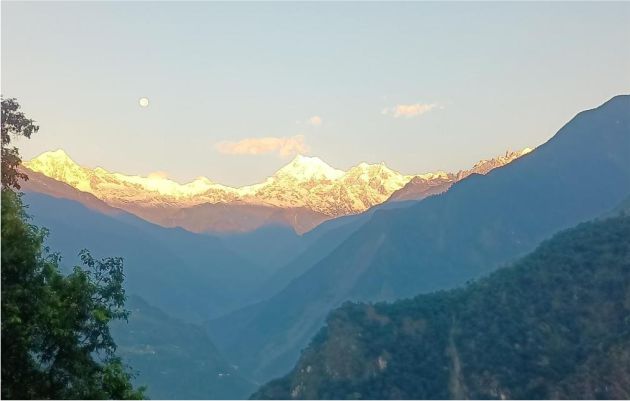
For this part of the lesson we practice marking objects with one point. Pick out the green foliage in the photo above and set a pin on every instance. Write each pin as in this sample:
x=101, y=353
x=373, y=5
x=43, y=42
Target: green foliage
x=55, y=335
x=554, y=325
x=14, y=123
x=56, y=341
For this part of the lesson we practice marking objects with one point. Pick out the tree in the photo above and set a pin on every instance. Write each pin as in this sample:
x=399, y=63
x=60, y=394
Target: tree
x=14, y=123
x=56, y=341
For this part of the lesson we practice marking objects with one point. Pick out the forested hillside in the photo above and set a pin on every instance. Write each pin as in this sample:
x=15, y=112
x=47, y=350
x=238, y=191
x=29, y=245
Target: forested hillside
x=556, y=324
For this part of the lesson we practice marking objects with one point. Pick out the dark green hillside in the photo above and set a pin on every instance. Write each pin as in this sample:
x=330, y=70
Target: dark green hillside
x=554, y=325
x=175, y=360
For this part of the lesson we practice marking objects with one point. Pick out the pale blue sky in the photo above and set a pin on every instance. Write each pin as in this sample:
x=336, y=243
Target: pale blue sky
x=503, y=76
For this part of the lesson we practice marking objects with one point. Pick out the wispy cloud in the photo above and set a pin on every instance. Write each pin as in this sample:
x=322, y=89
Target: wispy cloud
x=409, y=110
x=158, y=175
x=315, y=121
x=285, y=146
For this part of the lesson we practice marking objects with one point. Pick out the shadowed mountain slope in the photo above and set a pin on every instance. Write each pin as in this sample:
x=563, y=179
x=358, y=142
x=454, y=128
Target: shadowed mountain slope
x=174, y=359
x=191, y=276
x=445, y=240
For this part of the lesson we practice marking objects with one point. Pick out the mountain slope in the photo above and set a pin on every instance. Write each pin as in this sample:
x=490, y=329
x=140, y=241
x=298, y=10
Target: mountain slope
x=443, y=241
x=268, y=247
x=242, y=217
x=301, y=195
x=188, y=275
x=553, y=326
x=317, y=244
x=175, y=360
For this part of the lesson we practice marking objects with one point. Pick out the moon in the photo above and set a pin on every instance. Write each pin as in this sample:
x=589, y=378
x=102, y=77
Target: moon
x=143, y=102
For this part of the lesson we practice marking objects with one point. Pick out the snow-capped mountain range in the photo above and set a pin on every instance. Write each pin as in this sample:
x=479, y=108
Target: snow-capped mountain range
x=306, y=183
x=421, y=186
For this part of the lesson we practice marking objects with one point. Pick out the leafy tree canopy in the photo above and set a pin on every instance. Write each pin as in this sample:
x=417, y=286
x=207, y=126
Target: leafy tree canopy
x=14, y=124
x=56, y=341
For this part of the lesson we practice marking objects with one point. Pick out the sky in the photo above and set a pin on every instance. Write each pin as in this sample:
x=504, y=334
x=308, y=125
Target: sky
x=235, y=90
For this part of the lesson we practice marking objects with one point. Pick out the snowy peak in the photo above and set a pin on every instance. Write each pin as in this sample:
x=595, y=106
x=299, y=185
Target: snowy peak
x=372, y=170
x=52, y=159
x=58, y=156
x=59, y=166
x=376, y=176
x=303, y=168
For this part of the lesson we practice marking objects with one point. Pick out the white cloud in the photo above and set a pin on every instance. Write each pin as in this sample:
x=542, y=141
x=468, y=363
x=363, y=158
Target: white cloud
x=286, y=146
x=315, y=121
x=409, y=110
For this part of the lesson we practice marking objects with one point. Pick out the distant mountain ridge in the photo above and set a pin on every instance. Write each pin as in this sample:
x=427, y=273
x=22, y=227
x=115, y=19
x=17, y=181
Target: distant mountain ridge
x=420, y=187
x=302, y=194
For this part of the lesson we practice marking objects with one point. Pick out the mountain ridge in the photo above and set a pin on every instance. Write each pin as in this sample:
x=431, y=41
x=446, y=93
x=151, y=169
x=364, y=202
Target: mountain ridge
x=302, y=194
x=422, y=186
